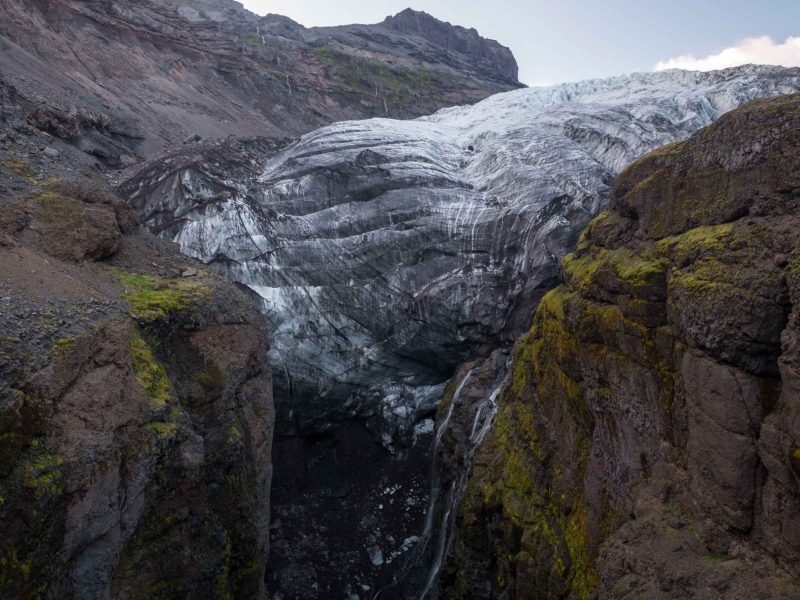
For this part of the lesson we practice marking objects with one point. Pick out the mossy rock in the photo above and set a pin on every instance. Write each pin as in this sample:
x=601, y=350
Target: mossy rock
x=152, y=298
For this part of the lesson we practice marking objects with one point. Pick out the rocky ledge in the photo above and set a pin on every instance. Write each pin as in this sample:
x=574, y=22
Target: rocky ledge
x=647, y=444
x=135, y=407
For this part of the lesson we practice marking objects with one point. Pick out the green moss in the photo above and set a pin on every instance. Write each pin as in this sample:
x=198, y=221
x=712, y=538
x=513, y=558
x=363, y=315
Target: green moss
x=601, y=267
x=42, y=470
x=716, y=559
x=234, y=435
x=222, y=584
x=378, y=78
x=150, y=374
x=326, y=55
x=19, y=167
x=59, y=205
x=153, y=298
x=695, y=243
x=707, y=281
x=164, y=430
x=33, y=499
x=63, y=345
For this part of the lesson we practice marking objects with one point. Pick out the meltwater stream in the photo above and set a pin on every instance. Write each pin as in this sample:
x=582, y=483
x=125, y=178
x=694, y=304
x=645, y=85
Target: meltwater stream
x=474, y=416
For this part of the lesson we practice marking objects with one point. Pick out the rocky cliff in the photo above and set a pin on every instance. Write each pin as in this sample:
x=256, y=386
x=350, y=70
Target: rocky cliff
x=495, y=62
x=135, y=400
x=646, y=443
x=150, y=74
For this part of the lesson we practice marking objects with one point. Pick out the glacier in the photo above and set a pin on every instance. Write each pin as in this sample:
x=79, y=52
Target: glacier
x=387, y=252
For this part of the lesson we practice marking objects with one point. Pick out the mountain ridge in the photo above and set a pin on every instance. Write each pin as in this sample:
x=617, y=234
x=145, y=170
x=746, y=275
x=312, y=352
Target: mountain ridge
x=160, y=71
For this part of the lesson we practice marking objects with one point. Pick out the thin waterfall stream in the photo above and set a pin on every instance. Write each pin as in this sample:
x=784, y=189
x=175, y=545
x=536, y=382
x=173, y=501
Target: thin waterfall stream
x=419, y=577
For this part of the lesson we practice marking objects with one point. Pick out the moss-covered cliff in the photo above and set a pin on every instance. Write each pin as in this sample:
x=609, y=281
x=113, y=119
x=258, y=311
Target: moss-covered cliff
x=135, y=410
x=647, y=443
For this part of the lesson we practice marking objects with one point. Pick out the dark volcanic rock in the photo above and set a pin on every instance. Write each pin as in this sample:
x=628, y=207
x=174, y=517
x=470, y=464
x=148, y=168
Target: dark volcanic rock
x=491, y=59
x=646, y=445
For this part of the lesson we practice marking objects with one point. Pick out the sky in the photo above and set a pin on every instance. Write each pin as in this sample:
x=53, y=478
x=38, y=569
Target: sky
x=570, y=40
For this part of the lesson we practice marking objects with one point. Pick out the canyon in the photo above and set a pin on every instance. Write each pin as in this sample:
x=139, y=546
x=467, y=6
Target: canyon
x=348, y=312
x=388, y=252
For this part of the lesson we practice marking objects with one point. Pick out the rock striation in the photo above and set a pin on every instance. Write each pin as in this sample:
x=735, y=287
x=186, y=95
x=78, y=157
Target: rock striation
x=135, y=403
x=646, y=443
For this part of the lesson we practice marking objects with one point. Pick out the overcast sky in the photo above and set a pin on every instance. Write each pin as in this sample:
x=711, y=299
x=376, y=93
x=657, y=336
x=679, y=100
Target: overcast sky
x=569, y=40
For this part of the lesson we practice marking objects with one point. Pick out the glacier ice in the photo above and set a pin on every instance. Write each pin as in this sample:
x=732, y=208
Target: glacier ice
x=386, y=252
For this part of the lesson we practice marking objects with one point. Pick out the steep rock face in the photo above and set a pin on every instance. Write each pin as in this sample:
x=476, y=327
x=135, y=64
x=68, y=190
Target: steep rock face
x=135, y=406
x=646, y=444
x=151, y=73
x=491, y=59
x=393, y=250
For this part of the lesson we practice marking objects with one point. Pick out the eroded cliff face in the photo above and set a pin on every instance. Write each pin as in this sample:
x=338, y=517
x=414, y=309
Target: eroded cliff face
x=135, y=406
x=488, y=57
x=646, y=444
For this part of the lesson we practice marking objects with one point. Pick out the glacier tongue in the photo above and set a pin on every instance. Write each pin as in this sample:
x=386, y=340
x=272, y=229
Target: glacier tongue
x=387, y=252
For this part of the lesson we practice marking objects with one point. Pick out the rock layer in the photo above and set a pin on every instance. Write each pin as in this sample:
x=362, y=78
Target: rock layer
x=646, y=445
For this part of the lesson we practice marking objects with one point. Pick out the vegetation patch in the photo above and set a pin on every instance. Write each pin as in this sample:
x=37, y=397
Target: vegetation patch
x=152, y=298
x=163, y=430
x=19, y=167
x=695, y=243
x=369, y=76
x=149, y=373
x=234, y=435
x=42, y=471
x=62, y=346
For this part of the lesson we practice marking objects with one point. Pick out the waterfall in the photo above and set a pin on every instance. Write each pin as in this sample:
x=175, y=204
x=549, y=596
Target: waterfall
x=437, y=536
x=485, y=411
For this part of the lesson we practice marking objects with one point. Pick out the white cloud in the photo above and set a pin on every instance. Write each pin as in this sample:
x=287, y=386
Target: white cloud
x=756, y=50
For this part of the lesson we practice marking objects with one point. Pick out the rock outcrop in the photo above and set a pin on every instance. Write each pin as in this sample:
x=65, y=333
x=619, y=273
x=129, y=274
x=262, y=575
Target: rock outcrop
x=135, y=403
x=493, y=61
x=646, y=444
x=152, y=73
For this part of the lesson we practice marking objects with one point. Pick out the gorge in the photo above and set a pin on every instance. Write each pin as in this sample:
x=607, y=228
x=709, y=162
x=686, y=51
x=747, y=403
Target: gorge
x=349, y=312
